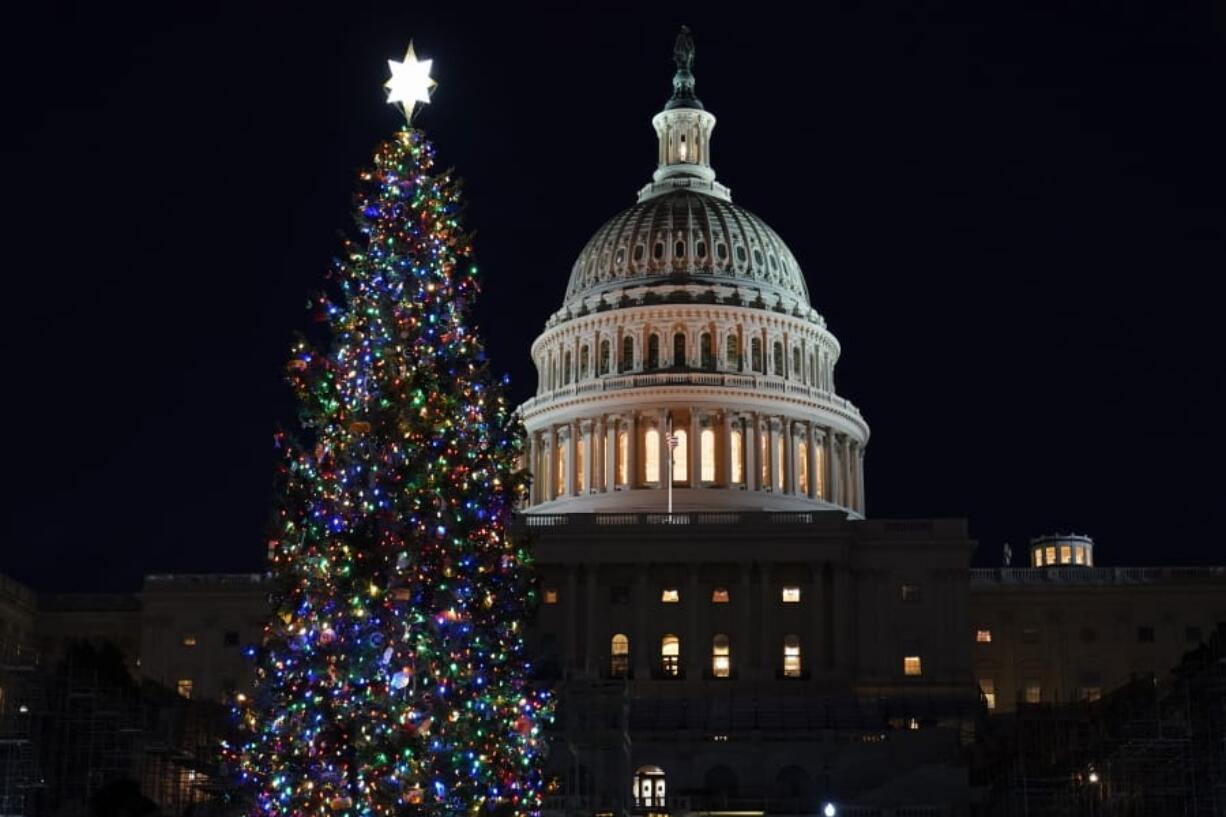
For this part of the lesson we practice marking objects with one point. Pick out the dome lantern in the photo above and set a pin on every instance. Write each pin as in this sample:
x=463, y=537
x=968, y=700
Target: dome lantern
x=684, y=130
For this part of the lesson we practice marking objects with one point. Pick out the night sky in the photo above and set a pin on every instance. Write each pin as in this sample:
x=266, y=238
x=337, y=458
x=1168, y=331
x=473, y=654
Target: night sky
x=1013, y=218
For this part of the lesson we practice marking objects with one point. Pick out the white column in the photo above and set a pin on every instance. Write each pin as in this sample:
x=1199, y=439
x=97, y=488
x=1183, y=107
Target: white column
x=860, y=478
x=832, y=471
x=792, y=471
x=811, y=456
x=608, y=428
x=589, y=456
x=751, y=452
x=845, y=459
x=551, y=441
x=664, y=449
x=572, y=445
x=772, y=455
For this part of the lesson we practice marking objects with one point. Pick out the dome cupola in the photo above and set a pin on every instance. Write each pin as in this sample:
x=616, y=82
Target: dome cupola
x=686, y=354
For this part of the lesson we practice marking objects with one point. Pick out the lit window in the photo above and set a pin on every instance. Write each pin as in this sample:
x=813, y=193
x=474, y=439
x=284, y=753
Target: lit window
x=910, y=592
x=1091, y=693
x=1032, y=691
x=719, y=595
x=623, y=451
x=1050, y=554
x=738, y=457
x=791, y=656
x=619, y=656
x=670, y=656
x=681, y=456
x=707, y=439
x=651, y=455
x=1079, y=554
x=551, y=596
x=791, y=594
x=802, y=467
x=188, y=640
x=983, y=636
x=580, y=472
x=988, y=687
x=1066, y=554
x=670, y=595
x=721, y=657
x=1036, y=556
x=184, y=687
x=912, y=666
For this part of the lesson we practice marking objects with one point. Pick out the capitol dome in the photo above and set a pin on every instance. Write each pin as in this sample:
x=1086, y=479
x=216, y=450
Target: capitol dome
x=682, y=235
x=686, y=368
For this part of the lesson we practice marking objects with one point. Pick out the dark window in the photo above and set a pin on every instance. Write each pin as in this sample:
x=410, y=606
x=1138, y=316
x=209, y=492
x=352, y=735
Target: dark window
x=658, y=252
x=653, y=352
x=583, y=363
x=1145, y=635
x=731, y=352
x=679, y=250
x=230, y=638
x=566, y=370
x=757, y=257
x=619, y=595
x=638, y=252
x=796, y=362
x=679, y=349
x=721, y=250
x=910, y=592
x=627, y=353
x=1192, y=635
x=778, y=360
x=755, y=355
x=620, y=257
x=1030, y=635
x=740, y=254
x=705, y=352
x=605, y=352
x=701, y=250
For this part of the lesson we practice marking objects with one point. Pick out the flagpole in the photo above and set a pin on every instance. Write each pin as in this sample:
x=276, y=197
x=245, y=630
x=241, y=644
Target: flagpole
x=671, y=448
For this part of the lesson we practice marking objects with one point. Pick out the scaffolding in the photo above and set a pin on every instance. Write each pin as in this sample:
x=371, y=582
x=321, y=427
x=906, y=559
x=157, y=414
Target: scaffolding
x=1152, y=748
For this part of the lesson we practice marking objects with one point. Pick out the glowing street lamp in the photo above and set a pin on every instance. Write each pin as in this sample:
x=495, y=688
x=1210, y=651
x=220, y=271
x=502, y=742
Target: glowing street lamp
x=829, y=810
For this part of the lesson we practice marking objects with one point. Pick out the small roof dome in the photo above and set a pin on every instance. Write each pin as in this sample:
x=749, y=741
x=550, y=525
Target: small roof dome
x=682, y=236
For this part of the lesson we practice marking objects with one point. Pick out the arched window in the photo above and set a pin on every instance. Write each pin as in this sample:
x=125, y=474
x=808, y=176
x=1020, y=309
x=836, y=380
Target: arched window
x=651, y=455
x=797, y=372
x=649, y=790
x=777, y=359
x=679, y=349
x=653, y=352
x=721, y=657
x=623, y=457
x=731, y=353
x=802, y=466
x=707, y=451
x=670, y=656
x=566, y=369
x=583, y=363
x=619, y=656
x=737, y=441
x=580, y=458
x=681, y=456
x=755, y=355
x=605, y=353
x=813, y=370
x=627, y=362
x=705, y=352
x=791, y=656
x=779, y=445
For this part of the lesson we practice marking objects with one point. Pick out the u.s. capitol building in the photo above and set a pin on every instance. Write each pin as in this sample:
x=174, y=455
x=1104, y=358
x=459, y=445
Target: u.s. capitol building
x=727, y=628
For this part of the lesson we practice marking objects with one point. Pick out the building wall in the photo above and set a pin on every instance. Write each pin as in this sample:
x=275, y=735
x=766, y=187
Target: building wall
x=1079, y=632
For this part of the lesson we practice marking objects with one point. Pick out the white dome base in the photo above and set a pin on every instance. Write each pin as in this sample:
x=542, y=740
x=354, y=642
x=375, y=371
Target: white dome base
x=655, y=500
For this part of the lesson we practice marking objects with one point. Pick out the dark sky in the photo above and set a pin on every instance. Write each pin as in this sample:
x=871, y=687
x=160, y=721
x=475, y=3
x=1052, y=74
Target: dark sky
x=1012, y=216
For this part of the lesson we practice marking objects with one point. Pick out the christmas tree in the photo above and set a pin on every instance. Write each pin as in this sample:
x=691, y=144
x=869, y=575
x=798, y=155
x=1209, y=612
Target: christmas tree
x=392, y=677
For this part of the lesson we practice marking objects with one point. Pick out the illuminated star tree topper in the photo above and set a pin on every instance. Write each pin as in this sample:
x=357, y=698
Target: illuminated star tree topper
x=410, y=82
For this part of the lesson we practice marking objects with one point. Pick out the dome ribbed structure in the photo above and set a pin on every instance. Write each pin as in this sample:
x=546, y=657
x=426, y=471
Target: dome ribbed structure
x=686, y=237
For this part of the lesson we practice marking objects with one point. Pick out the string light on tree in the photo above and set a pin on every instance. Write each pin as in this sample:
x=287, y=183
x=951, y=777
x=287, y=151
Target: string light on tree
x=392, y=677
